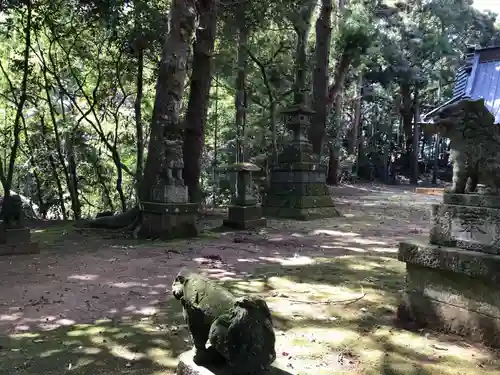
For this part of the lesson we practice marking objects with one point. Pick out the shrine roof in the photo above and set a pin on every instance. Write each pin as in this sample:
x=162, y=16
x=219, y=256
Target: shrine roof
x=478, y=78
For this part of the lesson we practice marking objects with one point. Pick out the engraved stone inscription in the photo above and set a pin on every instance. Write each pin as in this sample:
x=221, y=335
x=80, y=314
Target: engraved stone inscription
x=475, y=232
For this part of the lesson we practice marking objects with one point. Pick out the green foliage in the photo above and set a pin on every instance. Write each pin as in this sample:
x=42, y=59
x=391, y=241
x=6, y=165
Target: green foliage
x=79, y=125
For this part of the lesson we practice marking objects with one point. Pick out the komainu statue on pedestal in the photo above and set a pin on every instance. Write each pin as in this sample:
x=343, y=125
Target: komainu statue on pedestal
x=475, y=145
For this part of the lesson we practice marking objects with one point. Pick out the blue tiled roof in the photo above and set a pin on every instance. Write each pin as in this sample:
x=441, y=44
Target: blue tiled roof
x=476, y=79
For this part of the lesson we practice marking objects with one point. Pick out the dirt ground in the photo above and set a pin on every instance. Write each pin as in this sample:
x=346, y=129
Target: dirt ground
x=100, y=304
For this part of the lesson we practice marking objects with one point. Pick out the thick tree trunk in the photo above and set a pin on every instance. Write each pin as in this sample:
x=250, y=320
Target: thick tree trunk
x=201, y=79
x=169, y=89
x=320, y=75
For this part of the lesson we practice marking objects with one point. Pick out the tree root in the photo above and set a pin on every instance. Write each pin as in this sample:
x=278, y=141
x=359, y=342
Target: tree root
x=127, y=221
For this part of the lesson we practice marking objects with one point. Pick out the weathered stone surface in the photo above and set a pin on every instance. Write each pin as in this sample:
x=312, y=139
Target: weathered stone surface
x=168, y=220
x=169, y=193
x=460, y=261
x=186, y=366
x=453, y=302
x=297, y=188
x=287, y=176
x=440, y=233
x=300, y=188
x=19, y=248
x=167, y=214
x=475, y=200
x=16, y=241
x=467, y=227
x=245, y=217
x=299, y=201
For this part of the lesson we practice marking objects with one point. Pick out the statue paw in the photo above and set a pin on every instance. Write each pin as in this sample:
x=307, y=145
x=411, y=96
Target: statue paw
x=454, y=190
x=208, y=356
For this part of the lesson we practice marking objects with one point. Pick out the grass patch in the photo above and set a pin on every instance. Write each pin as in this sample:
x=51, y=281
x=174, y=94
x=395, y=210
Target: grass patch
x=52, y=234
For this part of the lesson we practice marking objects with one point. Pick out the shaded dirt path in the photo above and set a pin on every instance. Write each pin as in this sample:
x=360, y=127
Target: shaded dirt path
x=80, y=278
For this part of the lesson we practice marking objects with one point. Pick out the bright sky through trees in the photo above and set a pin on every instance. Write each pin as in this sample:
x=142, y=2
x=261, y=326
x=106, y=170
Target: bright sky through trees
x=493, y=5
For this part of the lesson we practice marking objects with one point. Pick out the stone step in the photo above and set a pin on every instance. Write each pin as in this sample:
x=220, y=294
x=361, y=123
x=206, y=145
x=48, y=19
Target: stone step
x=474, y=200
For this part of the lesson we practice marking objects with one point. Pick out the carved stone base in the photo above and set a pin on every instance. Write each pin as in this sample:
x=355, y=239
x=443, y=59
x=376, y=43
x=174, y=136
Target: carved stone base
x=245, y=217
x=168, y=220
x=186, y=366
x=468, y=221
x=453, y=290
x=301, y=199
x=17, y=241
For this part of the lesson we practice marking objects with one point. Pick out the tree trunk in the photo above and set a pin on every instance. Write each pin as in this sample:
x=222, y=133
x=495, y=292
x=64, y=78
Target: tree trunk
x=55, y=174
x=139, y=129
x=302, y=26
x=353, y=139
x=72, y=172
x=333, y=163
x=201, y=79
x=407, y=113
x=320, y=75
x=240, y=100
x=416, y=138
x=73, y=177
x=172, y=74
x=6, y=176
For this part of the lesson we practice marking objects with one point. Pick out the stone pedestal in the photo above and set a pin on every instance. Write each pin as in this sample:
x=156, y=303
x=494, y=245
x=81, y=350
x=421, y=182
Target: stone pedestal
x=17, y=241
x=186, y=366
x=167, y=214
x=244, y=213
x=297, y=188
x=166, y=221
x=452, y=282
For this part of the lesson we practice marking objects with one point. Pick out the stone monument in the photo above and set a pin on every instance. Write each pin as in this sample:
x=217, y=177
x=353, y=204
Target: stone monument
x=15, y=238
x=244, y=212
x=169, y=214
x=452, y=281
x=297, y=188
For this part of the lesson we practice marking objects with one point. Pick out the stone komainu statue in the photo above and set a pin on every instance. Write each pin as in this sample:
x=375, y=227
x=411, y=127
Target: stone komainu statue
x=11, y=211
x=240, y=330
x=475, y=145
x=172, y=162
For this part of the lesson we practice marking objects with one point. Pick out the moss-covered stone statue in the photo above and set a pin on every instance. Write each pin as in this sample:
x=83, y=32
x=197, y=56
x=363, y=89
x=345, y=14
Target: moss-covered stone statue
x=475, y=145
x=239, y=330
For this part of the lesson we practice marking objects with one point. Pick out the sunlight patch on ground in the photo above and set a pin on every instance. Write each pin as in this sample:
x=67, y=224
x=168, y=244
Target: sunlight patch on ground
x=329, y=232
x=86, y=277
x=346, y=306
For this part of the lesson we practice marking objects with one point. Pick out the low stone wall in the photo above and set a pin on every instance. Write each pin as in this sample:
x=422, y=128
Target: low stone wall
x=453, y=290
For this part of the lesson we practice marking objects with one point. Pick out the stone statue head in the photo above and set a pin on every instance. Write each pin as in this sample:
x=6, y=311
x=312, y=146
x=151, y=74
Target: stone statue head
x=447, y=120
